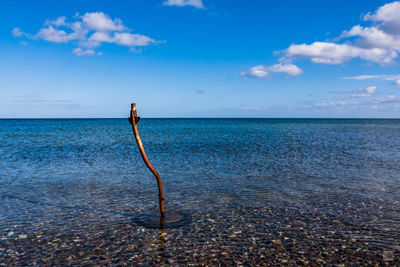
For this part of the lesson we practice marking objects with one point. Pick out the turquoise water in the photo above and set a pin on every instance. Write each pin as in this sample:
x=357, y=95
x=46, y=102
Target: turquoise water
x=300, y=191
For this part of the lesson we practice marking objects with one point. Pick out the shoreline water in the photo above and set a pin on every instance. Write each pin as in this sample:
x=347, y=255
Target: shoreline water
x=258, y=191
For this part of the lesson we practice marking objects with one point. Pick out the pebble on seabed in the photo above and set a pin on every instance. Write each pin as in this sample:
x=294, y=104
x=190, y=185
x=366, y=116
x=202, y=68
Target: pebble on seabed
x=247, y=241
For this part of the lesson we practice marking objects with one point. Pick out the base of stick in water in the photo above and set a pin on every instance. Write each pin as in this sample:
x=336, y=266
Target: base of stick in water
x=134, y=120
x=172, y=220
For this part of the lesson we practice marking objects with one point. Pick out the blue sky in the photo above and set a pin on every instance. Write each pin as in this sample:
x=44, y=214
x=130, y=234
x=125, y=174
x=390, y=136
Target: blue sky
x=200, y=58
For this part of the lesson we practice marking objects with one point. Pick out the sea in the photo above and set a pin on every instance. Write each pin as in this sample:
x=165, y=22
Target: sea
x=245, y=192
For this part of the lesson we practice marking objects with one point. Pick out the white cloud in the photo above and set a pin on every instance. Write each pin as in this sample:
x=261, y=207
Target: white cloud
x=120, y=38
x=194, y=3
x=378, y=43
x=390, y=102
x=388, y=13
x=286, y=68
x=98, y=21
x=101, y=37
x=96, y=39
x=374, y=36
x=380, y=76
x=369, y=91
x=81, y=52
x=390, y=99
x=334, y=104
x=60, y=21
x=135, y=50
x=17, y=32
x=257, y=71
x=54, y=35
x=332, y=53
x=366, y=92
x=262, y=71
x=253, y=108
x=395, y=78
x=129, y=39
x=362, y=77
x=88, y=32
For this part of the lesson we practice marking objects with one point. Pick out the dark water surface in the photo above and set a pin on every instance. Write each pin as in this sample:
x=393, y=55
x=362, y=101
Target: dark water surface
x=258, y=192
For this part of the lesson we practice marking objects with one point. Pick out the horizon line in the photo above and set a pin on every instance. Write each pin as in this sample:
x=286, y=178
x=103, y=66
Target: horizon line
x=202, y=118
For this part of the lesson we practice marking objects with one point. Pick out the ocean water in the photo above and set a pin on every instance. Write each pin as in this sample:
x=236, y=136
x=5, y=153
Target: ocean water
x=257, y=191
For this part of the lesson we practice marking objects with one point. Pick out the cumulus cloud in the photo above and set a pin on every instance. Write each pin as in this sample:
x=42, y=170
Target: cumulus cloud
x=332, y=53
x=257, y=71
x=120, y=38
x=374, y=37
x=379, y=42
x=370, y=90
x=54, y=35
x=81, y=52
x=388, y=13
x=60, y=21
x=286, y=68
x=88, y=32
x=262, y=71
x=130, y=39
x=195, y=3
x=98, y=21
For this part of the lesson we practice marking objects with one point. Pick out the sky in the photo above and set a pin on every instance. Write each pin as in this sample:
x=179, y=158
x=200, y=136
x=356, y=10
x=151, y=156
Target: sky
x=200, y=58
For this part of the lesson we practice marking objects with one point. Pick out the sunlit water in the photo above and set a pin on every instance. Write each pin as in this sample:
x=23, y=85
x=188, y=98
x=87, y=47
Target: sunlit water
x=258, y=191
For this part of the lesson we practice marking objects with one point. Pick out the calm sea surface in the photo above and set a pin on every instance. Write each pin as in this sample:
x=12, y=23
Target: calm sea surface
x=257, y=191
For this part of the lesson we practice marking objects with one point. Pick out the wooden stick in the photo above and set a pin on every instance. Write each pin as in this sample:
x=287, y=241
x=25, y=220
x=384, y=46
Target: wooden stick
x=134, y=120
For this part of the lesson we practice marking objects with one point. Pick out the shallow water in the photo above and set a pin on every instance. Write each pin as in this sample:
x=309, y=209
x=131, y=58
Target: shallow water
x=258, y=191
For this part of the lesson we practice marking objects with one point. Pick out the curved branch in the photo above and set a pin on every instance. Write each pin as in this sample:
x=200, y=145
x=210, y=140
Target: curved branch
x=134, y=120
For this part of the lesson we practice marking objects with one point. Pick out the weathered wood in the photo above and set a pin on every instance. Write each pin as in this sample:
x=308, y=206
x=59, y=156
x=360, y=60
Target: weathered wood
x=134, y=120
